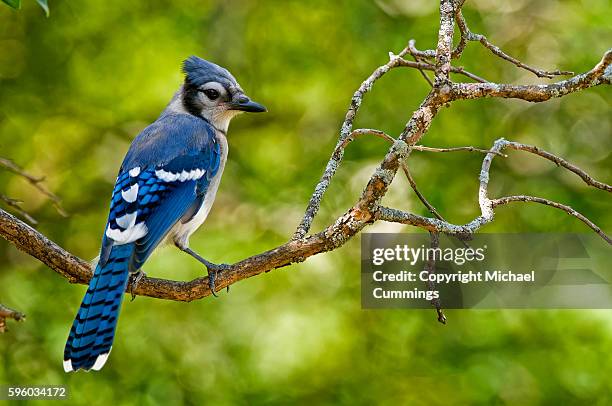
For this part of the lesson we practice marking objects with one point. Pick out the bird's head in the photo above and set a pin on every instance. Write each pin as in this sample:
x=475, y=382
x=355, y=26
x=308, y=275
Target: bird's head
x=211, y=92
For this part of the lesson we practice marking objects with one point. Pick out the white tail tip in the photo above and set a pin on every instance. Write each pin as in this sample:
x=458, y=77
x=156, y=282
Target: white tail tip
x=68, y=365
x=100, y=361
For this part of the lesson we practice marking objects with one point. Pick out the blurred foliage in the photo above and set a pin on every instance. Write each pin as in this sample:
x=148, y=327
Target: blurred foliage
x=16, y=4
x=77, y=87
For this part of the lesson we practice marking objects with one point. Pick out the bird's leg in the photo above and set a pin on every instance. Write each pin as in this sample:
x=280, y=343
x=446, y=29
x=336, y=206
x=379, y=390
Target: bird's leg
x=134, y=280
x=211, y=268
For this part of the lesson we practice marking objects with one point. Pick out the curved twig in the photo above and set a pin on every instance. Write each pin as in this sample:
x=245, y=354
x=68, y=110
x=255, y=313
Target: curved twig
x=533, y=199
x=588, y=179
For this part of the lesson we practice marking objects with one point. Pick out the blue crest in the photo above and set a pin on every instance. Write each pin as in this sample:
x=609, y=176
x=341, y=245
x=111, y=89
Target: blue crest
x=199, y=71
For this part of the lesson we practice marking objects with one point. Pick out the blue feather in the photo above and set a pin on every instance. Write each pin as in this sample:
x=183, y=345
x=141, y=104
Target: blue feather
x=199, y=71
x=93, y=329
x=173, y=144
x=162, y=219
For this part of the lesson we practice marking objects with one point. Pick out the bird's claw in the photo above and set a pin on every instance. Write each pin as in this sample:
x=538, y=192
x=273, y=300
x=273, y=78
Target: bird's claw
x=133, y=282
x=213, y=270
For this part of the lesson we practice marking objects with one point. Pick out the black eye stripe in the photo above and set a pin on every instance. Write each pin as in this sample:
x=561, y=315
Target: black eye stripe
x=212, y=94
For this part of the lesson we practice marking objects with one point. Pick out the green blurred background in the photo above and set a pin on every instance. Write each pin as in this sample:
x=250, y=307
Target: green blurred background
x=75, y=89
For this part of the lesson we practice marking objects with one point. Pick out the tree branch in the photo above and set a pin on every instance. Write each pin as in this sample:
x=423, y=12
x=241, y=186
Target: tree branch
x=8, y=313
x=367, y=208
x=600, y=74
x=76, y=270
x=445, y=41
x=386, y=137
x=338, y=153
x=487, y=205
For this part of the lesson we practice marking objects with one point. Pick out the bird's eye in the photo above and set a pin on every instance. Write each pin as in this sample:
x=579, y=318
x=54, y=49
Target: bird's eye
x=212, y=94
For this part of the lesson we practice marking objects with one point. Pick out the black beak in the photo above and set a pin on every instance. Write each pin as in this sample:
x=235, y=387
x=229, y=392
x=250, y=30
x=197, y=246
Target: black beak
x=243, y=103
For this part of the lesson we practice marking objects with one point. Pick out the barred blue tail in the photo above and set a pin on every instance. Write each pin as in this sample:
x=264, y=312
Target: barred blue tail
x=93, y=329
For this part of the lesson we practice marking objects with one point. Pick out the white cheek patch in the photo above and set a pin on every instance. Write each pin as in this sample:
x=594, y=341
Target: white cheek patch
x=183, y=176
x=131, y=194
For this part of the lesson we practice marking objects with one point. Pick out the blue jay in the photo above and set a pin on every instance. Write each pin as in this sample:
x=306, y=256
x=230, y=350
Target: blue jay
x=165, y=189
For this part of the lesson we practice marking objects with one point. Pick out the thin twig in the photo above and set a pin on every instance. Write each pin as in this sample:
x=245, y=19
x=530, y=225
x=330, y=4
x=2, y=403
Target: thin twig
x=533, y=199
x=381, y=134
x=16, y=169
x=458, y=50
x=367, y=131
x=421, y=66
x=455, y=149
x=461, y=70
x=8, y=313
x=421, y=197
x=15, y=204
x=487, y=205
x=499, y=145
x=467, y=35
x=426, y=54
x=36, y=182
x=417, y=59
x=588, y=179
x=430, y=268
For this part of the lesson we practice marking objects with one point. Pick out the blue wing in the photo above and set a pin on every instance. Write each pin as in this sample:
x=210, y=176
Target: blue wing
x=150, y=198
x=163, y=180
